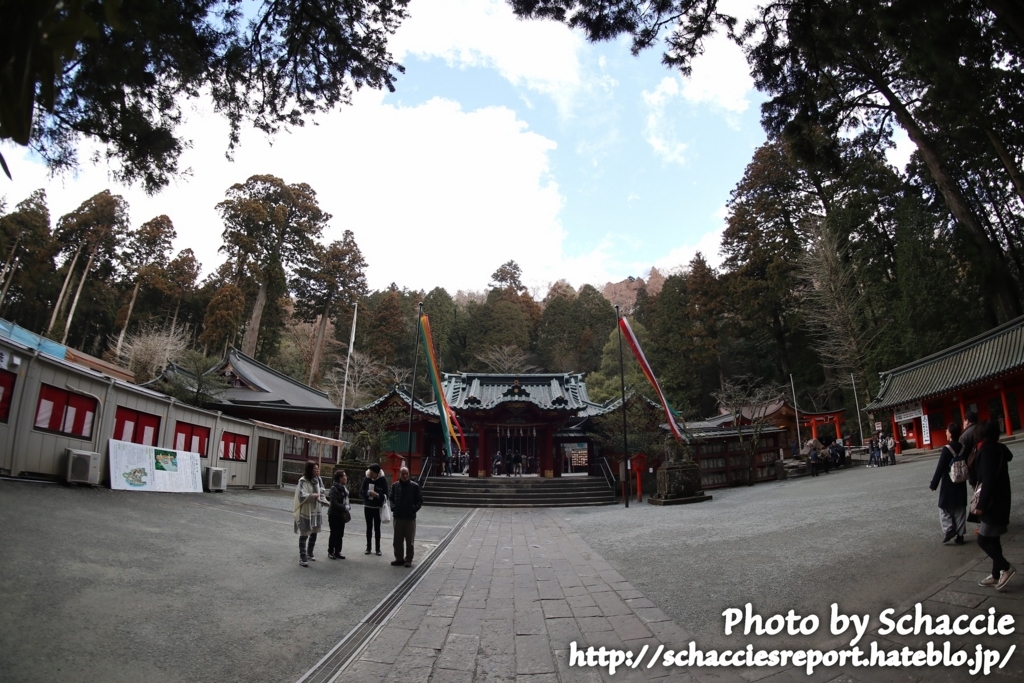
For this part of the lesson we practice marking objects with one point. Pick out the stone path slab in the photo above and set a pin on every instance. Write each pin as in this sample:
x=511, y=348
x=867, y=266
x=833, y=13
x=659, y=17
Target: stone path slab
x=503, y=604
x=516, y=587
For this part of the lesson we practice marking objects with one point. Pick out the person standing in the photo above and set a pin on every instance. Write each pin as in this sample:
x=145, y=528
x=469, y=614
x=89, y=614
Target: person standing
x=306, y=508
x=406, y=501
x=338, y=514
x=990, y=471
x=517, y=464
x=969, y=438
x=374, y=491
x=813, y=459
x=884, y=446
x=952, y=496
x=872, y=452
x=891, y=444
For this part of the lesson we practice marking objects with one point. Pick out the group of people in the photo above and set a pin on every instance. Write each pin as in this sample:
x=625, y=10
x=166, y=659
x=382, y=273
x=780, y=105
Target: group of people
x=512, y=464
x=456, y=462
x=403, y=498
x=881, y=450
x=824, y=457
x=987, y=460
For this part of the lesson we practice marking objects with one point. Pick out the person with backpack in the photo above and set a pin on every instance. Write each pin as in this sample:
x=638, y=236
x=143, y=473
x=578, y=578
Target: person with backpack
x=991, y=504
x=952, y=494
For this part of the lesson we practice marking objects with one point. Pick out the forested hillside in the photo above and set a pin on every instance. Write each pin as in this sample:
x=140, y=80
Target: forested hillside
x=837, y=265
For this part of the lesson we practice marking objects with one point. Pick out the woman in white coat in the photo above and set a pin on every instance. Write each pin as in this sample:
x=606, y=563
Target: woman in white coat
x=309, y=497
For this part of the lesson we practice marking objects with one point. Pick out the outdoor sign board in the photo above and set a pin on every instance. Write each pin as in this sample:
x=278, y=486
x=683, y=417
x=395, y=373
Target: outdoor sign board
x=908, y=413
x=134, y=467
x=926, y=433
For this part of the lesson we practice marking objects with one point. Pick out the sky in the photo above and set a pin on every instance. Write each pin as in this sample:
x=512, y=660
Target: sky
x=504, y=139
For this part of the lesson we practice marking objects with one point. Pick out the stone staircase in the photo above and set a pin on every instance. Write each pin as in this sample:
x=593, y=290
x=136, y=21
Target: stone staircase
x=517, y=492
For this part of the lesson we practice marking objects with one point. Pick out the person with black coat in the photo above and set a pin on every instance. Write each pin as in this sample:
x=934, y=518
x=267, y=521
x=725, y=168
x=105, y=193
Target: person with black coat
x=990, y=471
x=336, y=513
x=373, y=491
x=406, y=501
x=952, y=496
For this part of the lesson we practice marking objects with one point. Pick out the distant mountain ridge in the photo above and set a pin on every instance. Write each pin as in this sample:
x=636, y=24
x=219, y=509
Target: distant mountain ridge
x=623, y=293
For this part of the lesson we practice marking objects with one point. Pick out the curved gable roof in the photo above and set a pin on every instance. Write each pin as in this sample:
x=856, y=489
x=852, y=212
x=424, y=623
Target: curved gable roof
x=989, y=355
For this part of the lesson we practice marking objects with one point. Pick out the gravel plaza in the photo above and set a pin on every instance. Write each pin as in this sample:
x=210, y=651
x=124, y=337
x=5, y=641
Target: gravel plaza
x=106, y=585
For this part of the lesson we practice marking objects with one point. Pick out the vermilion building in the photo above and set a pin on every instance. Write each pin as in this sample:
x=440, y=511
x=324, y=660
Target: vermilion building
x=985, y=373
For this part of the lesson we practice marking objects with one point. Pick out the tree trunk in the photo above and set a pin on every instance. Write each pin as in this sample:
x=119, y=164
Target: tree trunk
x=8, y=281
x=78, y=293
x=63, y=290
x=1008, y=162
x=131, y=305
x=318, y=348
x=252, y=331
x=995, y=273
x=8, y=265
x=174, y=320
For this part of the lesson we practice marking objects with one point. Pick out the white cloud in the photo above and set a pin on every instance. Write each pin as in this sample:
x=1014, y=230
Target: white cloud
x=720, y=77
x=435, y=195
x=539, y=55
x=709, y=245
x=899, y=156
x=659, y=130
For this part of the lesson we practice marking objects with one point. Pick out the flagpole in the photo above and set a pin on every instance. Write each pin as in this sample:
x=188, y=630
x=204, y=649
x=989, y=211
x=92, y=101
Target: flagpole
x=412, y=386
x=344, y=387
x=796, y=410
x=622, y=384
x=857, y=402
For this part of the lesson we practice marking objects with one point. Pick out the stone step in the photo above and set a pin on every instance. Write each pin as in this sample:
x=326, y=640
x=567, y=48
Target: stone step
x=517, y=492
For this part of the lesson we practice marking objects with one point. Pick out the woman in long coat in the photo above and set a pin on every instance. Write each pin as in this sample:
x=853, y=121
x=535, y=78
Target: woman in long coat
x=991, y=471
x=952, y=496
x=306, y=506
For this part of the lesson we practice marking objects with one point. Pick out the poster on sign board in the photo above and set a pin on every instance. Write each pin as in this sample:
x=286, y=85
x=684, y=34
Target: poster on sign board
x=134, y=467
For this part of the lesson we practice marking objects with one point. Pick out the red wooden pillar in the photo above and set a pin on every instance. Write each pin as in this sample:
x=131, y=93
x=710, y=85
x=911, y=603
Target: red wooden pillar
x=1007, y=420
x=814, y=428
x=546, y=462
x=478, y=465
x=896, y=435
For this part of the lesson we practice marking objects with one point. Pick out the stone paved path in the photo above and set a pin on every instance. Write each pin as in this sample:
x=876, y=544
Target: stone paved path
x=504, y=602
x=517, y=586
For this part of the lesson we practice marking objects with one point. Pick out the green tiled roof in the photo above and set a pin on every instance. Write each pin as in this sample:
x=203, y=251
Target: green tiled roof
x=985, y=357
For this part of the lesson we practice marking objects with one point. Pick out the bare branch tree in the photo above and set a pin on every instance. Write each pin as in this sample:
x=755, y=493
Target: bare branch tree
x=834, y=305
x=748, y=400
x=506, y=359
x=147, y=352
x=365, y=379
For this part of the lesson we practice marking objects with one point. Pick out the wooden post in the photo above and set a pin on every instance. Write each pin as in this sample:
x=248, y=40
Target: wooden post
x=897, y=441
x=1007, y=419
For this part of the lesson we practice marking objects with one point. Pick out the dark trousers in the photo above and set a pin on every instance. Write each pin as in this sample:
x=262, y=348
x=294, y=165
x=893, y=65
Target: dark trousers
x=993, y=547
x=372, y=525
x=306, y=547
x=405, y=532
x=337, y=535
x=814, y=469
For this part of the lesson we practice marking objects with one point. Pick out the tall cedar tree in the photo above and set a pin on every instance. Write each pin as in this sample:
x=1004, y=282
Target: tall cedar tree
x=269, y=227
x=148, y=250
x=91, y=239
x=327, y=286
x=29, y=277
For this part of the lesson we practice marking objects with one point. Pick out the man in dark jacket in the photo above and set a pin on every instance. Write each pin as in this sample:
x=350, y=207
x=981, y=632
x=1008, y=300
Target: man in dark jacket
x=969, y=437
x=406, y=499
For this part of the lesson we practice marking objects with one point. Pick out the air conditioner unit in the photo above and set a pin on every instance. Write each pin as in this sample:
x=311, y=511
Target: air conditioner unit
x=83, y=467
x=216, y=479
